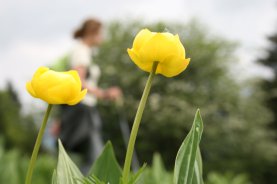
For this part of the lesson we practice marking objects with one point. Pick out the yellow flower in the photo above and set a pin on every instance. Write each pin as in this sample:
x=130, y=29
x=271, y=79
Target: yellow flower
x=56, y=87
x=164, y=48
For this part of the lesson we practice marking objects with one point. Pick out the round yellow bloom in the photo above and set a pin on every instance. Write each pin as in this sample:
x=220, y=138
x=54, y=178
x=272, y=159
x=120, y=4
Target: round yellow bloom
x=164, y=48
x=56, y=87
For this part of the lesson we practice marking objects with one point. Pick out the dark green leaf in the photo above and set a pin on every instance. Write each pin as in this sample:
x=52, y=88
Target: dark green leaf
x=106, y=167
x=135, y=178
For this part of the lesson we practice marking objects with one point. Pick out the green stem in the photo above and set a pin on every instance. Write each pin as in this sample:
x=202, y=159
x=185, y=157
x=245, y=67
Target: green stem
x=37, y=146
x=134, y=132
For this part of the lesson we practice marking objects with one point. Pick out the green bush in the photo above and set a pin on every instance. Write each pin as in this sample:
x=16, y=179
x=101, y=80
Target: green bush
x=14, y=164
x=17, y=129
x=157, y=174
x=227, y=178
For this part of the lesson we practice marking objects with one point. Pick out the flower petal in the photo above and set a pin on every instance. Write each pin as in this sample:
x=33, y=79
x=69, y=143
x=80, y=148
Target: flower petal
x=181, y=49
x=30, y=89
x=55, y=87
x=172, y=66
x=142, y=37
x=76, y=76
x=165, y=48
x=158, y=48
x=40, y=71
x=78, y=98
x=145, y=66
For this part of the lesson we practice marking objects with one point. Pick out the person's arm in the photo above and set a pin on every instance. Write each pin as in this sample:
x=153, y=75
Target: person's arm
x=55, y=127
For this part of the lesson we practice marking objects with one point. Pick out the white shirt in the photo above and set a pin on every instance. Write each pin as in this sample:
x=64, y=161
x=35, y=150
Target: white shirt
x=81, y=55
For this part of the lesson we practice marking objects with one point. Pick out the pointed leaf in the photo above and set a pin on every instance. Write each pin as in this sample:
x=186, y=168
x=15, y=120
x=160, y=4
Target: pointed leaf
x=91, y=180
x=106, y=167
x=54, y=177
x=67, y=171
x=135, y=178
x=198, y=171
x=186, y=157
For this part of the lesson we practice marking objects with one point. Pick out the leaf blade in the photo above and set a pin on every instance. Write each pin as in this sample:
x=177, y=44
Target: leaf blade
x=186, y=156
x=107, y=162
x=67, y=172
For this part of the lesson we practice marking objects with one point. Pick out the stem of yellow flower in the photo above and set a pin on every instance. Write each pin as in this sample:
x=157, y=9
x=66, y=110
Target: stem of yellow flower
x=134, y=132
x=37, y=146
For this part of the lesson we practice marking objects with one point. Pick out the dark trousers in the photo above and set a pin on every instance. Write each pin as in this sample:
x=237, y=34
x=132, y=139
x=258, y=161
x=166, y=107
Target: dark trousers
x=81, y=131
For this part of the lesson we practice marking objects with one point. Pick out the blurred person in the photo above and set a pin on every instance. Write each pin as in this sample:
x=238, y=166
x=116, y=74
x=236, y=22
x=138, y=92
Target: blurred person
x=80, y=125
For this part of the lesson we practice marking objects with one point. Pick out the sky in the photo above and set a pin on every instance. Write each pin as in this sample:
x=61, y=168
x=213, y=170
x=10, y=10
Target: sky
x=36, y=32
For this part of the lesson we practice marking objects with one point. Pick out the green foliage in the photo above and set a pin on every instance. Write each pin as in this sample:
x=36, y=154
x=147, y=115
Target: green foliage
x=236, y=135
x=106, y=167
x=18, y=130
x=92, y=180
x=270, y=88
x=136, y=178
x=62, y=64
x=104, y=170
x=67, y=172
x=14, y=165
x=227, y=178
x=157, y=174
x=187, y=169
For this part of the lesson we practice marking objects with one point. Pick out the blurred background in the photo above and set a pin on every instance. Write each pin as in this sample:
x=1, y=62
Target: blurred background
x=231, y=78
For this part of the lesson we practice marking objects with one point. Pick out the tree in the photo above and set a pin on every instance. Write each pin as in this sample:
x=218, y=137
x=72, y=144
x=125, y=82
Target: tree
x=17, y=130
x=270, y=87
x=235, y=136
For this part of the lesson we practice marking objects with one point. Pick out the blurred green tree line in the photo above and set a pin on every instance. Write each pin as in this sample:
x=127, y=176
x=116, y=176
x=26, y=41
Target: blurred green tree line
x=270, y=86
x=237, y=135
x=17, y=138
x=17, y=129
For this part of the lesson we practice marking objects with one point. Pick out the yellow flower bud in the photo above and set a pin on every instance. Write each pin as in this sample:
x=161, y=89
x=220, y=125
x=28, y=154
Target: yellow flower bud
x=56, y=87
x=164, y=48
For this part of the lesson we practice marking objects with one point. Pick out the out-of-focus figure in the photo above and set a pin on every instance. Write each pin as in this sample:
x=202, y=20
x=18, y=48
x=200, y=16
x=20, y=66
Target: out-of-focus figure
x=80, y=125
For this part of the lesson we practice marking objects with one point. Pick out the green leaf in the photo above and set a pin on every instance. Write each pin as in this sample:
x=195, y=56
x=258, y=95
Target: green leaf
x=135, y=178
x=158, y=168
x=106, y=167
x=198, y=171
x=54, y=177
x=186, y=165
x=157, y=173
x=67, y=171
x=91, y=180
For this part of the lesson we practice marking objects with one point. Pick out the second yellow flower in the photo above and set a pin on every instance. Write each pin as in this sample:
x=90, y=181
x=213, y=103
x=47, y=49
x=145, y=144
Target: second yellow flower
x=164, y=48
